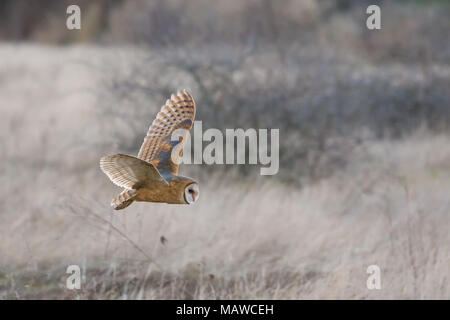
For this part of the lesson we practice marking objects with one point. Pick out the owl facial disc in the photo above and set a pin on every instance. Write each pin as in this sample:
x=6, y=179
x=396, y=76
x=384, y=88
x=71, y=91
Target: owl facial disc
x=191, y=193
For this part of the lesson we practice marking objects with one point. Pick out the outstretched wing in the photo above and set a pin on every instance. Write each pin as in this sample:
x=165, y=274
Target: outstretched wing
x=130, y=172
x=177, y=113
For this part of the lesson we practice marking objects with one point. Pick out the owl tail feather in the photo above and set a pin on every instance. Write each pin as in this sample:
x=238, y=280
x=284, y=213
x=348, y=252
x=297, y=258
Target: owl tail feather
x=123, y=200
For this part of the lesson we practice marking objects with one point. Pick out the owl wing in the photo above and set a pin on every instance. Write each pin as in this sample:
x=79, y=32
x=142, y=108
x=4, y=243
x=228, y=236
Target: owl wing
x=177, y=113
x=130, y=172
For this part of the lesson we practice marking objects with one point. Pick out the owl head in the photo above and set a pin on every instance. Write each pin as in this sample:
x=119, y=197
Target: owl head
x=191, y=193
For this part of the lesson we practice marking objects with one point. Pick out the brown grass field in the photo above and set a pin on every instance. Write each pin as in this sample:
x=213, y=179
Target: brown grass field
x=247, y=238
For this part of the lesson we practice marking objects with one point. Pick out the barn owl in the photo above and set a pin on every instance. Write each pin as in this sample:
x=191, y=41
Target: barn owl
x=152, y=176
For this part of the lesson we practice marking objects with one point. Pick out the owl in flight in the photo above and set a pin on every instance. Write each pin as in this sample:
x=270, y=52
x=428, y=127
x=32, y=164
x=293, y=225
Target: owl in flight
x=152, y=176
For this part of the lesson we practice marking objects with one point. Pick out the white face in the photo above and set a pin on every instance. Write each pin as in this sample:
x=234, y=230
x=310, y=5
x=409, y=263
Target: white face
x=191, y=193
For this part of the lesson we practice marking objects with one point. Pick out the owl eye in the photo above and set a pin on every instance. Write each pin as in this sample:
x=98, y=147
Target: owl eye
x=191, y=193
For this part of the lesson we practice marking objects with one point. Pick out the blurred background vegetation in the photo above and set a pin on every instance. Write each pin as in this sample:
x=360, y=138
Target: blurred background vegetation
x=310, y=68
x=160, y=23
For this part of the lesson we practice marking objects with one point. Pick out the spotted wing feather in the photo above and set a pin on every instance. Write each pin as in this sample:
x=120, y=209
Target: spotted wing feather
x=177, y=113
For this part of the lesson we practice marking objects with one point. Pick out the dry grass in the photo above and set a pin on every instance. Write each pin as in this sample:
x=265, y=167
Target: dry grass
x=252, y=238
x=245, y=242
